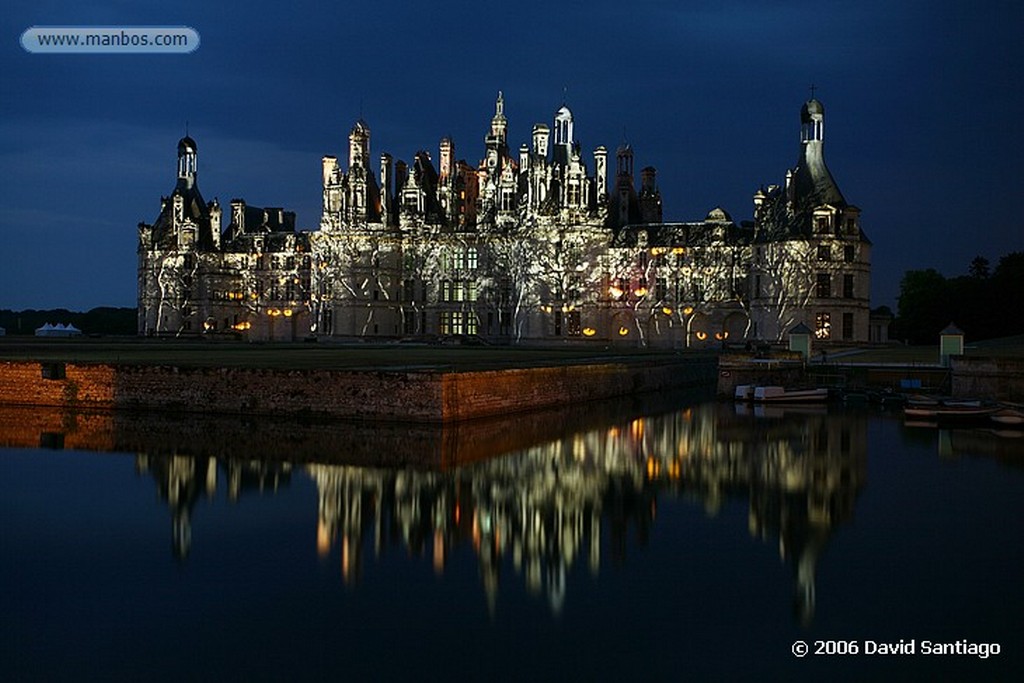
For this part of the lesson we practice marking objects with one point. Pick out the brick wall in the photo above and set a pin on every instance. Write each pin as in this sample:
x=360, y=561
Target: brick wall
x=32, y=427
x=428, y=396
x=81, y=385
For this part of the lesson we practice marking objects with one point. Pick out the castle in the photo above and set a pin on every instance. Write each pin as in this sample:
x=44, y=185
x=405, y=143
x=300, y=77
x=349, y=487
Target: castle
x=525, y=246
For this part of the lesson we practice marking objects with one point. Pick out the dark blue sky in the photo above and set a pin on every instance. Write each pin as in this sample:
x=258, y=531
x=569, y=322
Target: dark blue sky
x=923, y=130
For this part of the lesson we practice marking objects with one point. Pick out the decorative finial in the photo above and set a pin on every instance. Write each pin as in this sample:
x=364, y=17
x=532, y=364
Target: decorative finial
x=813, y=88
x=565, y=94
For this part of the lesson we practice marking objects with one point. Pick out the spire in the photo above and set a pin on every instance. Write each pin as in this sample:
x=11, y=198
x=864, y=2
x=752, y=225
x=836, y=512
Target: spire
x=499, y=124
x=187, y=161
x=813, y=184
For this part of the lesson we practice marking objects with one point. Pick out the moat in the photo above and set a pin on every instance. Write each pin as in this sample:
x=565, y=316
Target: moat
x=657, y=538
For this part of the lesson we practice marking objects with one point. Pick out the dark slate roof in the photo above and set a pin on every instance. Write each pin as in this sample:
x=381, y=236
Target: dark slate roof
x=693, y=234
x=195, y=208
x=813, y=183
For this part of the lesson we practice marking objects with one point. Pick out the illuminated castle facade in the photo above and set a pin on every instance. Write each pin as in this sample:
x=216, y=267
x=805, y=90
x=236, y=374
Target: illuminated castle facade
x=526, y=245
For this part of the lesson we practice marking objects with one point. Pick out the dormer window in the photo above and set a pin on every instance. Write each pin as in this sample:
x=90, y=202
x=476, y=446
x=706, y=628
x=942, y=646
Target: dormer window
x=821, y=223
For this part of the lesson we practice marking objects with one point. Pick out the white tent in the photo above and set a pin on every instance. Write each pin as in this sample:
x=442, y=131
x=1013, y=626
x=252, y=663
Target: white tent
x=58, y=330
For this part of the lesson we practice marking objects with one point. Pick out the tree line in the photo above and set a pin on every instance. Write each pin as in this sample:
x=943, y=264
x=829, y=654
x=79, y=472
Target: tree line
x=103, y=320
x=985, y=303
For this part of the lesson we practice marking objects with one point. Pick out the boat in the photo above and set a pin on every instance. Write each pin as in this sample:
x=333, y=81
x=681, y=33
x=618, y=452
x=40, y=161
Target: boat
x=962, y=411
x=856, y=396
x=1008, y=417
x=774, y=394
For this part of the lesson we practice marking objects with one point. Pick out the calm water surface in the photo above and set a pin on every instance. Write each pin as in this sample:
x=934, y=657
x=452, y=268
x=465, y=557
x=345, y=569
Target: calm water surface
x=655, y=541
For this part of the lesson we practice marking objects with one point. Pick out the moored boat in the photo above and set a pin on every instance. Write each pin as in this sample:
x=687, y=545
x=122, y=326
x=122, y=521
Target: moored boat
x=744, y=392
x=776, y=394
x=948, y=412
x=1008, y=417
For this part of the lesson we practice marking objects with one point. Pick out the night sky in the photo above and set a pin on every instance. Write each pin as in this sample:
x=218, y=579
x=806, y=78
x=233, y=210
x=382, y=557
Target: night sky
x=924, y=112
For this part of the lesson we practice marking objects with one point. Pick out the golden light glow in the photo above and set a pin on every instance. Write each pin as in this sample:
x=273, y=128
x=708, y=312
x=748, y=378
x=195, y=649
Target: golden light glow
x=242, y=326
x=675, y=469
x=615, y=292
x=273, y=312
x=718, y=336
x=640, y=291
x=653, y=468
x=658, y=251
x=287, y=312
x=323, y=538
x=623, y=331
x=702, y=335
x=589, y=331
x=678, y=250
x=666, y=310
x=688, y=310
x=438, y=552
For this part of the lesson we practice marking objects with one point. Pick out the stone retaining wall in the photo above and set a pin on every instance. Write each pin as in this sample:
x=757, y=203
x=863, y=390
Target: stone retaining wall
x=782, y=369
x=1000, y=379
x=427, y=396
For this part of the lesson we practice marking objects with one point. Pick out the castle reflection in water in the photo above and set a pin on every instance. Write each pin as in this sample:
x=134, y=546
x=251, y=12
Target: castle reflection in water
x=546, y=508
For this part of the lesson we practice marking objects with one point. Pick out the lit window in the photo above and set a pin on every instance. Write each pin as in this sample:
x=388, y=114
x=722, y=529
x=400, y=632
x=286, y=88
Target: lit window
x=823, y=326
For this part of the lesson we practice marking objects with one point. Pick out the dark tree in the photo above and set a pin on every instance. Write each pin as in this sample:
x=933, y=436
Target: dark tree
x=979, y=268
x=923, y=306
x=983, y=303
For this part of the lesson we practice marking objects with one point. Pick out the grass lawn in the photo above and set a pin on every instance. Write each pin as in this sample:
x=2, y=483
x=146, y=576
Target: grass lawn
x=1009, y=347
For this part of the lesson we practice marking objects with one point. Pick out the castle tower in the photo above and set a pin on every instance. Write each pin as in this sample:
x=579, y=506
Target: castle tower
x=541, y=134
x=624, y=164
x=216, y=214
x=562, y=151
x=446, y=160
x=188, y=158
x=624, y=182
x=601, y=173
x=499, y=124
x=386, y=190
x=650, y=196
x=359, y=146
x=497, y=148
x=812, y=185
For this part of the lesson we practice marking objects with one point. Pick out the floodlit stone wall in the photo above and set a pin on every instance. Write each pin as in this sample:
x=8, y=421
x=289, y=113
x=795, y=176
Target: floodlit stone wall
x=427, y=396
